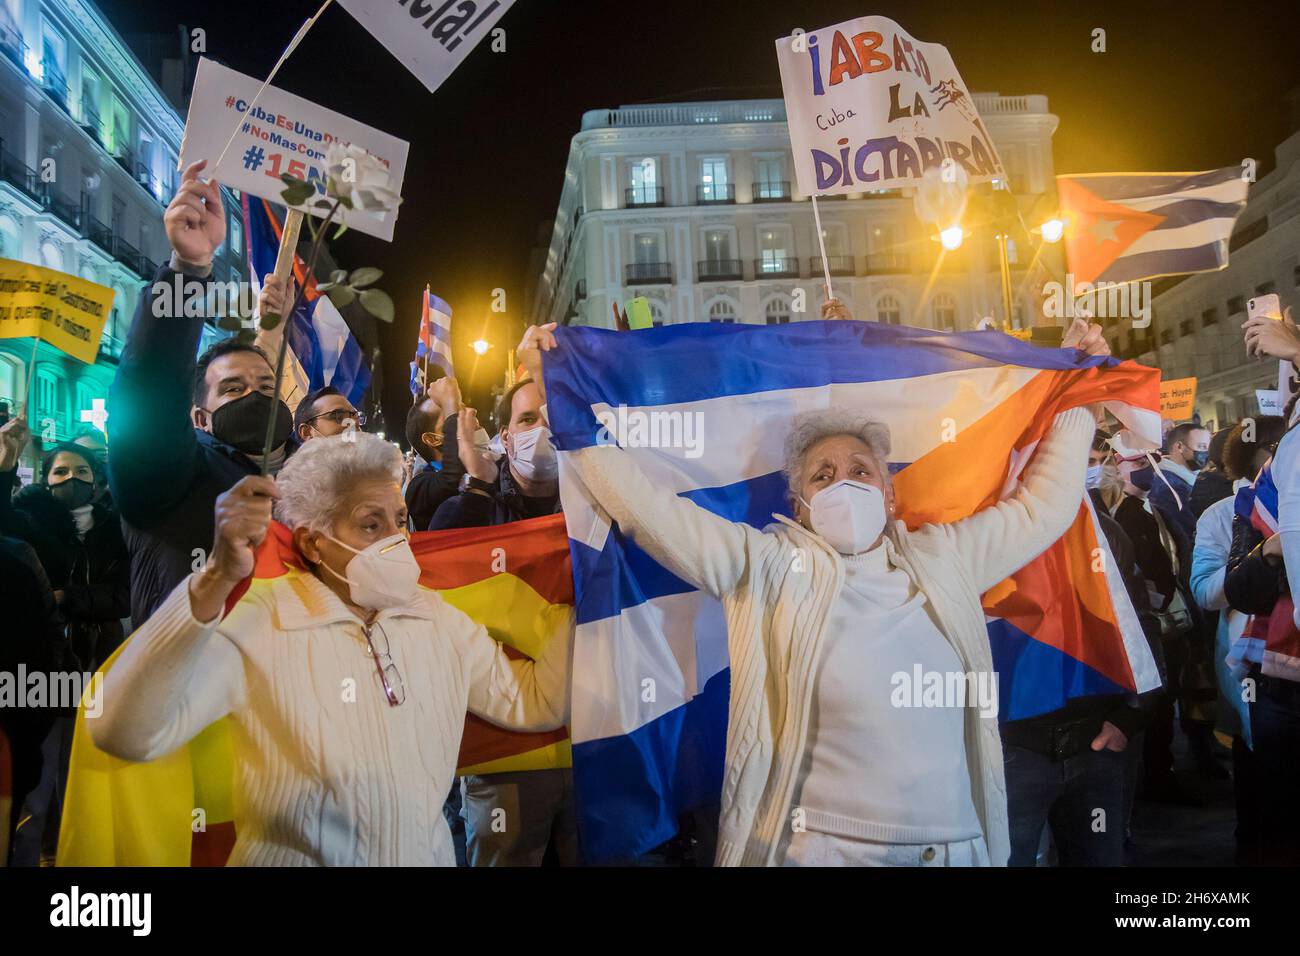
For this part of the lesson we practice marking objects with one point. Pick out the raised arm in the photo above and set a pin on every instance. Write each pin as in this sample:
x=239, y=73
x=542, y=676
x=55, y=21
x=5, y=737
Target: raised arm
x=1285, y=477
x=150, y=429
x=1003, y=538
x=1210, y=557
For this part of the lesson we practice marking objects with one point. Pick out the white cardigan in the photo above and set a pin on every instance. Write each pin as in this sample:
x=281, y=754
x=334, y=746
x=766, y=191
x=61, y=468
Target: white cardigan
x=327, y=772
x=777, y=614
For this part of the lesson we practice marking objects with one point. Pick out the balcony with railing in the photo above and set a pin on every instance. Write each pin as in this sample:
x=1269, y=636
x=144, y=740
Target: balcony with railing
x=776, y=267
x=772, y=191
x=55, y=84
x=635, y=196
x=715, y=270
x=21, y=176
x=839, y=265
x=710, y=194
x=648, y=273
x=887, y=263
x=12, y=46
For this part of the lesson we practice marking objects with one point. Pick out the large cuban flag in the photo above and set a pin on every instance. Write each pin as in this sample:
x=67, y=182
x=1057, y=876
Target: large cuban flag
x=966, y=411
x=322, y=349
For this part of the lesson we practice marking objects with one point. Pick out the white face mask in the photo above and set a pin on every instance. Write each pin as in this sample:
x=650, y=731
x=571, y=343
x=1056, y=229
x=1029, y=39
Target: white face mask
x=1094, y=477
x=849, y=515
x=533, y=455
x=385, y=574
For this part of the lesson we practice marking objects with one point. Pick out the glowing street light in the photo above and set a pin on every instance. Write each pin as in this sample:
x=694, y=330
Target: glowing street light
x=951, y=238
x=480, y=346
x=1052, y=230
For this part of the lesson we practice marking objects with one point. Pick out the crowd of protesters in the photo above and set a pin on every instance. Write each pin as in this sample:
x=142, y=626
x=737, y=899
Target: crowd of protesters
x=151, y=531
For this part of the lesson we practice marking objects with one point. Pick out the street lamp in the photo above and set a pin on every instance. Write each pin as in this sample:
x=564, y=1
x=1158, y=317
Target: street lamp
x=951, y=238
x=1052, y=230
x=480, y=346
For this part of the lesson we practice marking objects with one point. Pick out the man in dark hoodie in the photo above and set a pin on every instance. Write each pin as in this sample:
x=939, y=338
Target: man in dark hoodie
x=183, y=431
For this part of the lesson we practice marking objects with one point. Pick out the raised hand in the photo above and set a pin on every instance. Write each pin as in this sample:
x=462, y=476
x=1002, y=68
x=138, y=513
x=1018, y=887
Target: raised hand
x=446, y=394
x=276, y=296
x=1086, y=337
x=835, y=309
x=243, y=516
x=1265, y=336
x=476, y=464
x=537, y=339
x=195, y=220
x=13, y=439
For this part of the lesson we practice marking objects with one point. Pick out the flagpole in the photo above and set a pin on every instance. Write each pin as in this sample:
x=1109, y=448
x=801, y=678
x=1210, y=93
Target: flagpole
x=821, y=242
x=428, y=348
x=31, y=380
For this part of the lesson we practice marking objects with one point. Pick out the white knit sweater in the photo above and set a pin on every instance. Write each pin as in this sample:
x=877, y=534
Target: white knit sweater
x=777, y=609
x=327, y=772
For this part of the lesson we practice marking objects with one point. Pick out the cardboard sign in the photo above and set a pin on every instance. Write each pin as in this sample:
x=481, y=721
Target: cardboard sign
x=282, y=134
x=1270, y=401
x=1177, y=396
x=63, y=310
x=429, y=37
x=869, y=107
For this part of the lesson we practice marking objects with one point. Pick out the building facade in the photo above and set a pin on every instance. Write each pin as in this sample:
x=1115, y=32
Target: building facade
x=88, y=153
x=695, y=206
x=1195, y=328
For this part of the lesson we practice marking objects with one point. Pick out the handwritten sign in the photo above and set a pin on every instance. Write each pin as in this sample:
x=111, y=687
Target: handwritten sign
x=1270, y=401
x=429, y=38
x=282, y=133
x=1177, y=396
x=62, y=310
x=870, y=107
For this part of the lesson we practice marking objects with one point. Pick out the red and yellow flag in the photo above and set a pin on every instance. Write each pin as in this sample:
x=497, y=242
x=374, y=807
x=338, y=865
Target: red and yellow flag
x=119, y=813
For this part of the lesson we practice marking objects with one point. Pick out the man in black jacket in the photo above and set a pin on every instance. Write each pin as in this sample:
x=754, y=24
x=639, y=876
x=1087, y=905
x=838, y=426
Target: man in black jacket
x=1065, y=766
x=542, y=805
x=184, y=431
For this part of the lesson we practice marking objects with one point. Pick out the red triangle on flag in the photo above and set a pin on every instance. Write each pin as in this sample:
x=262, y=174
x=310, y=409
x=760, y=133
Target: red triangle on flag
x=1097, y=231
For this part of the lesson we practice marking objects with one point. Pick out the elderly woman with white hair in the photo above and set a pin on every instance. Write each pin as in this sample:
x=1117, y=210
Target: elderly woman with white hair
x=823, y=765
x=348, y=684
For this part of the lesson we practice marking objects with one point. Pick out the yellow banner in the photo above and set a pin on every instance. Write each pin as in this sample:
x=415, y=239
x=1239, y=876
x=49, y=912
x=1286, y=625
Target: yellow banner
x=63, y=310
x=1177, y=396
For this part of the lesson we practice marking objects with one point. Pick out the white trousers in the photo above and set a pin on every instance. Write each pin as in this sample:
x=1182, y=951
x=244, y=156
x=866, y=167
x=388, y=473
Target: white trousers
x=810, y=848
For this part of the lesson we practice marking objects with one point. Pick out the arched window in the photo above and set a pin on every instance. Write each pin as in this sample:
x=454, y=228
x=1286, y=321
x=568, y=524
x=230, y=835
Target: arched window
x=722, y=310
x=889, y=311
x=945, y=312
x=49, y=405
x=10, y=246
x=10, y=376
x=51, y=256
x=777, y=311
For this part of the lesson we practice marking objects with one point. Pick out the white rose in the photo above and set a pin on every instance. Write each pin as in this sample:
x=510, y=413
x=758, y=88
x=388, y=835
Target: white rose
x=354, y=174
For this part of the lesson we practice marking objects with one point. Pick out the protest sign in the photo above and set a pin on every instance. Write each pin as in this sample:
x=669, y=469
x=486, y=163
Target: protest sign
x=1270, y=401
x=1177, y=396
x=62, y=310
x=870, y=107
x=282, y=133
x=429, y=38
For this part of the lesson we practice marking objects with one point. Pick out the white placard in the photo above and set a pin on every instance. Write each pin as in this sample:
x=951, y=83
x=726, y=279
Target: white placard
x=281, y=134
x=869, y=107
x=429, y=37
x=1270, y=402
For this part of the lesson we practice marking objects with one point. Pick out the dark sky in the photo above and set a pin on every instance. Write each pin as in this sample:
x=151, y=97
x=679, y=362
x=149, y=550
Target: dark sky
x=1182, y=86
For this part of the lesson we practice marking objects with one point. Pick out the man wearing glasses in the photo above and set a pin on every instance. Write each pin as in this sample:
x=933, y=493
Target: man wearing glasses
x=323, y=413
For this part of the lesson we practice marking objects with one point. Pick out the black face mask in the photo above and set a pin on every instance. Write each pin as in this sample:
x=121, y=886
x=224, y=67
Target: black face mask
x=73, y=493
x=242, y=423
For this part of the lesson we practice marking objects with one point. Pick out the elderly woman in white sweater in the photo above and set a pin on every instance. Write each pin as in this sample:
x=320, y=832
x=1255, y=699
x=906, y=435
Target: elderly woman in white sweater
x=348, y=685
x=822, y=611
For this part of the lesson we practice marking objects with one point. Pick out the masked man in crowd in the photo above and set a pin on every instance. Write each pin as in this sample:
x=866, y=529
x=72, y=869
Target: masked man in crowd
x=1187, y=451
x=431, y=433
x=527, y=486
x=183, y=432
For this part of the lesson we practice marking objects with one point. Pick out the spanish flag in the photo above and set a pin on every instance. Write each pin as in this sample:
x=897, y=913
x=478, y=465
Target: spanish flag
x=514, y=579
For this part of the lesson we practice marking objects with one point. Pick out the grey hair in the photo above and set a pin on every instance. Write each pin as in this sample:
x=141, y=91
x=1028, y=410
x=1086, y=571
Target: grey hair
x=808, y=428
x=316, y=479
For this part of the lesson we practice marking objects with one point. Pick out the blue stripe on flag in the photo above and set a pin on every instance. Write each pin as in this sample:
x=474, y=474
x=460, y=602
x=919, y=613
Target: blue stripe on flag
x=1150, y=185
x=696, y=361
x=1204, y=258
x=681, y=753
x=1034, y=678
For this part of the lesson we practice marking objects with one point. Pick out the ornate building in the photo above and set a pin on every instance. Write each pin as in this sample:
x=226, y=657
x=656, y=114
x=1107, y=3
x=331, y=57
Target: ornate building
x=694, y=206
x=88, y=148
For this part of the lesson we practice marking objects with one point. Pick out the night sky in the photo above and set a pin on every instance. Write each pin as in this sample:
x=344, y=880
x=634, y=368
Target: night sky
x=1182, y=86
